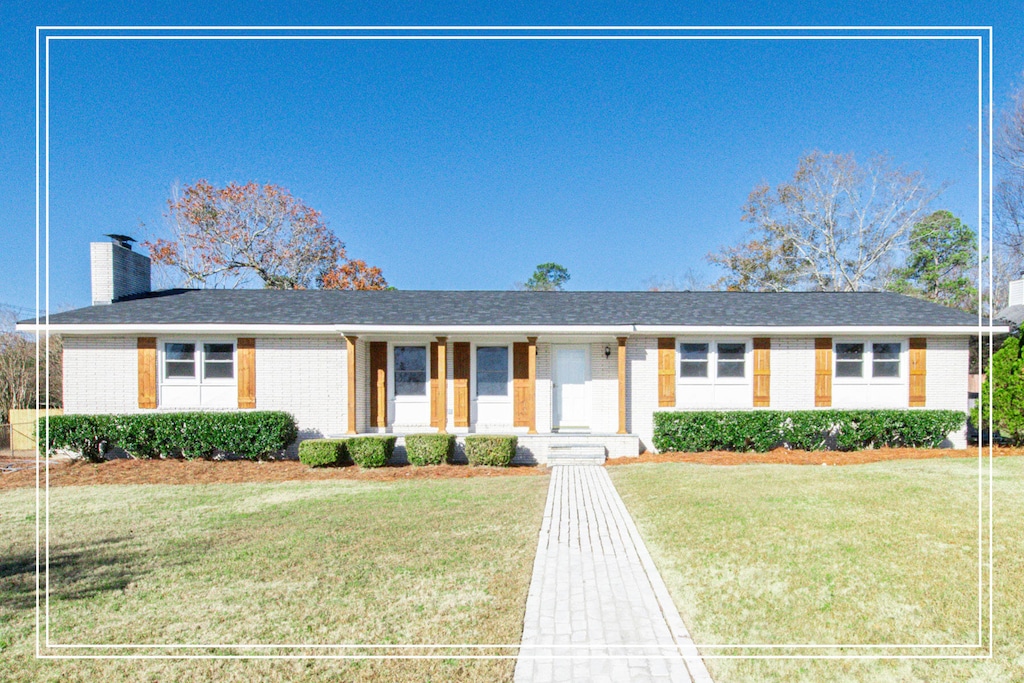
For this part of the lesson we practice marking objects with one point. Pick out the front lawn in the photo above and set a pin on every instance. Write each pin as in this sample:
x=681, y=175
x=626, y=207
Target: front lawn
x=877, y=553
x=428, y=561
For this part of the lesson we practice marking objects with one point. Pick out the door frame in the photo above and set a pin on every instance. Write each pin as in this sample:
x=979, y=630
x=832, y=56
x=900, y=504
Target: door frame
x=556, y=396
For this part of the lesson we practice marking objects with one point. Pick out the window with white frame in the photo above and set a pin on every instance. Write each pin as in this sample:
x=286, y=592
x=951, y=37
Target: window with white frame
x=184, y=359
x=712, y=361
x=885, y=359
x=732, y=358
x=693, y=359
x=879, y=360
x=492, y=371
x=849, y=359
x=410, y=370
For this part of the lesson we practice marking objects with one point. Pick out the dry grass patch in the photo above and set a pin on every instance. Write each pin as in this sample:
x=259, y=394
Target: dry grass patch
x=878, y=553
x=445, y=561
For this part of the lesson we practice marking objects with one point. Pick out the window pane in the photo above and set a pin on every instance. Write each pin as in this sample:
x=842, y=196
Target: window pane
x=219, y=351
x=691, y=368
x=410, y=371
x=730, y=368
x=731, y=351
x=180, y=369
x=693, y=351
x=218, y=370
x=411, y=359
x=410, y=384
x=885, y=368
x=849, y=368
x=492, y=359
x=179, y=360
x=180, y=351
x=886, y=351
x=491, y=385
x=849, y=352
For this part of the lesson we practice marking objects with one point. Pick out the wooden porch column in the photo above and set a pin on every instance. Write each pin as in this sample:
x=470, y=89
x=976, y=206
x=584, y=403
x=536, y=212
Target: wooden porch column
x=622, y=385
x=350, y=353
x=442, y=390
x=531, y=376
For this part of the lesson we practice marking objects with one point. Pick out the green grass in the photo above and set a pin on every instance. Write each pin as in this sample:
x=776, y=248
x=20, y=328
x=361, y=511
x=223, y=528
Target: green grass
x=437, y=561
x=879, y=553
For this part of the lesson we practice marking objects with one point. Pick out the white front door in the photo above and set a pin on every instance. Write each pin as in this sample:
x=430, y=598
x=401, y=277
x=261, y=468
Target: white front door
x=571, y=400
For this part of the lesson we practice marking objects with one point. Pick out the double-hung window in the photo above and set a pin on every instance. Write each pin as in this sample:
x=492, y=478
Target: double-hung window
x=693, y=359
x=492, y=371
x=410, y=371
x=849, y=359
x=732, y=360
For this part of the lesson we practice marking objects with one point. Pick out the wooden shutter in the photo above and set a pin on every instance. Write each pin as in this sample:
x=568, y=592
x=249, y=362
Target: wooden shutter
x=435, y=387
x=918, y=351
x=246, y=372
x=762, y=372
x=521, y=403
x=460, y=381
x=147, y=372
x=823, y=372
x=666, y=371
x=378, y=384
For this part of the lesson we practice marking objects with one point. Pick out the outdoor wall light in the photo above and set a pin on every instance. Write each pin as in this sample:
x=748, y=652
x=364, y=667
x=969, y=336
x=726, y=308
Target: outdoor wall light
x=607, y=352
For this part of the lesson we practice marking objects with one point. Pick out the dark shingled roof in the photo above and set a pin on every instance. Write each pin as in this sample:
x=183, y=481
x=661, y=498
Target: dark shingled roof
x=308, y=307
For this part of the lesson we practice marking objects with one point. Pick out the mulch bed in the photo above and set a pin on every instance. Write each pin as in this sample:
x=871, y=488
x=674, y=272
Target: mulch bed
x=78, y=473
x=781, y=456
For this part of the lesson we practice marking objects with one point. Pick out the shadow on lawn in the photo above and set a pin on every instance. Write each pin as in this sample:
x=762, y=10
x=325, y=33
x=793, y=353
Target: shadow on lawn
x=102, y=566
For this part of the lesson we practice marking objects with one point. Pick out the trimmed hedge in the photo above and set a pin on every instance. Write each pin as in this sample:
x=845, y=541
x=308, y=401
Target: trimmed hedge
x=371, y=451
x=491, y=449
x=429, y=449
x=255, y=435
x=763, y=430
x=323, y=452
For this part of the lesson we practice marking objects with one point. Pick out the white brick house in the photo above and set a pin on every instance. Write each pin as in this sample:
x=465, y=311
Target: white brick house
x=593, y=365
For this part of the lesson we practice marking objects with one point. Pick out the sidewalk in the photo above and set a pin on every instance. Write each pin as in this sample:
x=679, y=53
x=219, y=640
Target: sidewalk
x=597, y=608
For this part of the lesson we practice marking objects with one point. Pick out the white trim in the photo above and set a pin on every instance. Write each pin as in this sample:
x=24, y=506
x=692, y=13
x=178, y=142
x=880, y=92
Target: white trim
x=581, y=330
x=819, y=330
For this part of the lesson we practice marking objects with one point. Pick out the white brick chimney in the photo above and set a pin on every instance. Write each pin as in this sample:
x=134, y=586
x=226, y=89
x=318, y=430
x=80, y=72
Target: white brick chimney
x=117, y=271
x=1016, y=293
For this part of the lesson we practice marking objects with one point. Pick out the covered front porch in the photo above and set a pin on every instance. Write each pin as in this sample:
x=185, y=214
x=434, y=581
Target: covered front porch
x=553, y=391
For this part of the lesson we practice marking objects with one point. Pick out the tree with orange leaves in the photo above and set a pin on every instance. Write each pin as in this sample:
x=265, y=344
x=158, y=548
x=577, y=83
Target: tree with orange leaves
x=241, y=235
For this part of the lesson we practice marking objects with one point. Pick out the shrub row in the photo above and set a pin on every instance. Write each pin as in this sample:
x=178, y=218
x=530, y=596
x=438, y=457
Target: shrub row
x=255, y=435
x=763, y=430
x=421, y=449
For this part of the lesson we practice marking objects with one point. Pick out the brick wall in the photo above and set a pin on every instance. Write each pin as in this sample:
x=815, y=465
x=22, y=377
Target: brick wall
x=792, y=368
x=604, y=392
x=101, y=375
x=306, y=377
x=641, y=388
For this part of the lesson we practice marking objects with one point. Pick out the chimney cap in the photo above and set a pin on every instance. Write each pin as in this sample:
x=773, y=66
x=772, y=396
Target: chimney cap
x=122, y=240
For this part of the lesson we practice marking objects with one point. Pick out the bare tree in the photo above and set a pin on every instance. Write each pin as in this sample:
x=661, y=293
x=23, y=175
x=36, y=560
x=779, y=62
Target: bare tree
x=1008, y=226
x=18, y=369
x=836, y=226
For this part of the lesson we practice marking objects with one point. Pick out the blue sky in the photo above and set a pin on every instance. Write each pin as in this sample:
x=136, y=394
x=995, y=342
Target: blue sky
x=464, y=164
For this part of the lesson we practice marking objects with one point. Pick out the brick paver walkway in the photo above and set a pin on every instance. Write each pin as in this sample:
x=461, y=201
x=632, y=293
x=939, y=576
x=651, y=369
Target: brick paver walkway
x=594, y=585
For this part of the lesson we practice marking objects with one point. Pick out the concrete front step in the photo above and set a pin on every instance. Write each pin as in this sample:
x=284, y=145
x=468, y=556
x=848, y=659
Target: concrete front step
x=576, y=454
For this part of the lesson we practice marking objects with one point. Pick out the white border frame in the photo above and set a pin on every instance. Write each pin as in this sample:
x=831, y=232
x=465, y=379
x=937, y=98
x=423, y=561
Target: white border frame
x=982, y=36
